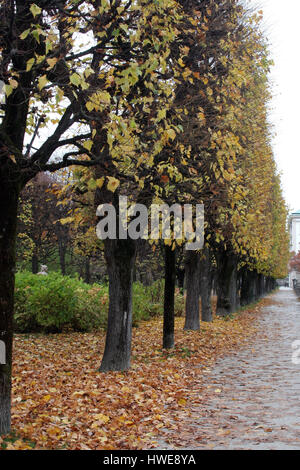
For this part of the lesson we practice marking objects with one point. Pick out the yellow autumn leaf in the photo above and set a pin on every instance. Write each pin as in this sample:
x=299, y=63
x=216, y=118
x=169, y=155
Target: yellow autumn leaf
x=90, y=106
x=42, y=82
x=13, y=158
x=75, y=79
x=88, y=144
x=101, y=418
x=13, y=83
x=171, y=134
x=29, y=64
x=8, y=90
x=52, y=62
x=35, y=10
x=112, y=184
x=182, y=402
x=100, y=182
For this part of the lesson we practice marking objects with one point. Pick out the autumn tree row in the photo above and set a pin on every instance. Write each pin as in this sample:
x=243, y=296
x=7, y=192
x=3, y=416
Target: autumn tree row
x=163, y=101
x=218, y=153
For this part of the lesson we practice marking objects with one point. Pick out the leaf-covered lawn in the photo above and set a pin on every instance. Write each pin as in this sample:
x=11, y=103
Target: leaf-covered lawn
x=61, y=401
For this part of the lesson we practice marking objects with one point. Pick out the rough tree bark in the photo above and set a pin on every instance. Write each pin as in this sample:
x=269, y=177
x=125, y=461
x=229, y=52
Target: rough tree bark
x=120, y=258
x=169, y=298
x=248, y=287
x=192, y=272
x=261, y=285
x=267, y=285
x=227, y=283
x=255, y=286
x=8, y=226
x=206, y=282
x=34, y=264
x=87, y=270
x=180, y=274
x=238, y=288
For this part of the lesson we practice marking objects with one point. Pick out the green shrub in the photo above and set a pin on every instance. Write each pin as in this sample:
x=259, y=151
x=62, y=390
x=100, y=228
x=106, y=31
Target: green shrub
x=147, y=301
x=53, y=303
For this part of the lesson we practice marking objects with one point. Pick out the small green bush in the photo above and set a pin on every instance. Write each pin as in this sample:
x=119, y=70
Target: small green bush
x=54, y=302
x=148, y=301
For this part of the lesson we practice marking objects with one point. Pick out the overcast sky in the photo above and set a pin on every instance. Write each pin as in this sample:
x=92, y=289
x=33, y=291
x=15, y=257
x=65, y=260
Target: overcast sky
x=281, y=20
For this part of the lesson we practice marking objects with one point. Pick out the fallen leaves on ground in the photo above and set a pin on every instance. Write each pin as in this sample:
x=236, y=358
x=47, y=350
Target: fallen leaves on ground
x=61, y=401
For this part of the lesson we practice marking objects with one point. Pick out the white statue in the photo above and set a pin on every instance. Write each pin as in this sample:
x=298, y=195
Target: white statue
x=44, y=270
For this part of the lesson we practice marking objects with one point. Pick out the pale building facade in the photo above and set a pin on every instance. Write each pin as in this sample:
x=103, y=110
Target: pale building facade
x=294, y=230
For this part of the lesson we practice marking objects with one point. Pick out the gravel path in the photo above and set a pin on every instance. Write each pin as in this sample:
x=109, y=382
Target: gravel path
x=254, y=394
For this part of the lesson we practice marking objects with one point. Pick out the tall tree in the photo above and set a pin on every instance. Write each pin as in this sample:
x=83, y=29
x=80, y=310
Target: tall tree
x=51, y=63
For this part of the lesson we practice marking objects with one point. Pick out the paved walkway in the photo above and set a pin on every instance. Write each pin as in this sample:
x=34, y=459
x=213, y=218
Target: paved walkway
x=259, y=403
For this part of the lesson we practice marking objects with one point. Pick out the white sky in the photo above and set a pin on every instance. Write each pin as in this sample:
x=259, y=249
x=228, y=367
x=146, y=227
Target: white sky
x=281, y=19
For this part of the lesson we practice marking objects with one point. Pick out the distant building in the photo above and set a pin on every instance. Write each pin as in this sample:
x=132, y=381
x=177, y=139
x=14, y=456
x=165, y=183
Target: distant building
x=294, y=230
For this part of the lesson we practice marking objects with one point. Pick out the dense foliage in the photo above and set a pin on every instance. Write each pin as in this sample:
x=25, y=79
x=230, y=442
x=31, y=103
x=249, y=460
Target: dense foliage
x=57, y=303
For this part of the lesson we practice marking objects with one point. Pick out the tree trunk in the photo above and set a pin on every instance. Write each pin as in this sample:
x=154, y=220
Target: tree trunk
x=34, y=264
x=8, y=226
x=169, y=298
x=238, y=289
x=268, y=285
x=148, y=277
x=215, y=282
x=87, y=272
x=248, y=287
x=120, y=258
x=256, y=286
x=180, y=274
x=192, y=317
x=206, y=284
x=261, y=284
x=62, y=258
x=227, y=283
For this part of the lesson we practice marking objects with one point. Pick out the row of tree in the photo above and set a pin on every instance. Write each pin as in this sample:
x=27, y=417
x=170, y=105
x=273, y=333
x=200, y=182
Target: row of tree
x=162, y=101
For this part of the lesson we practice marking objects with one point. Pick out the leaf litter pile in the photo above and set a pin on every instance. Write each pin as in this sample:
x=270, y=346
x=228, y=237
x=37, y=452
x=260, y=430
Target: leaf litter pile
x=61, y=401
